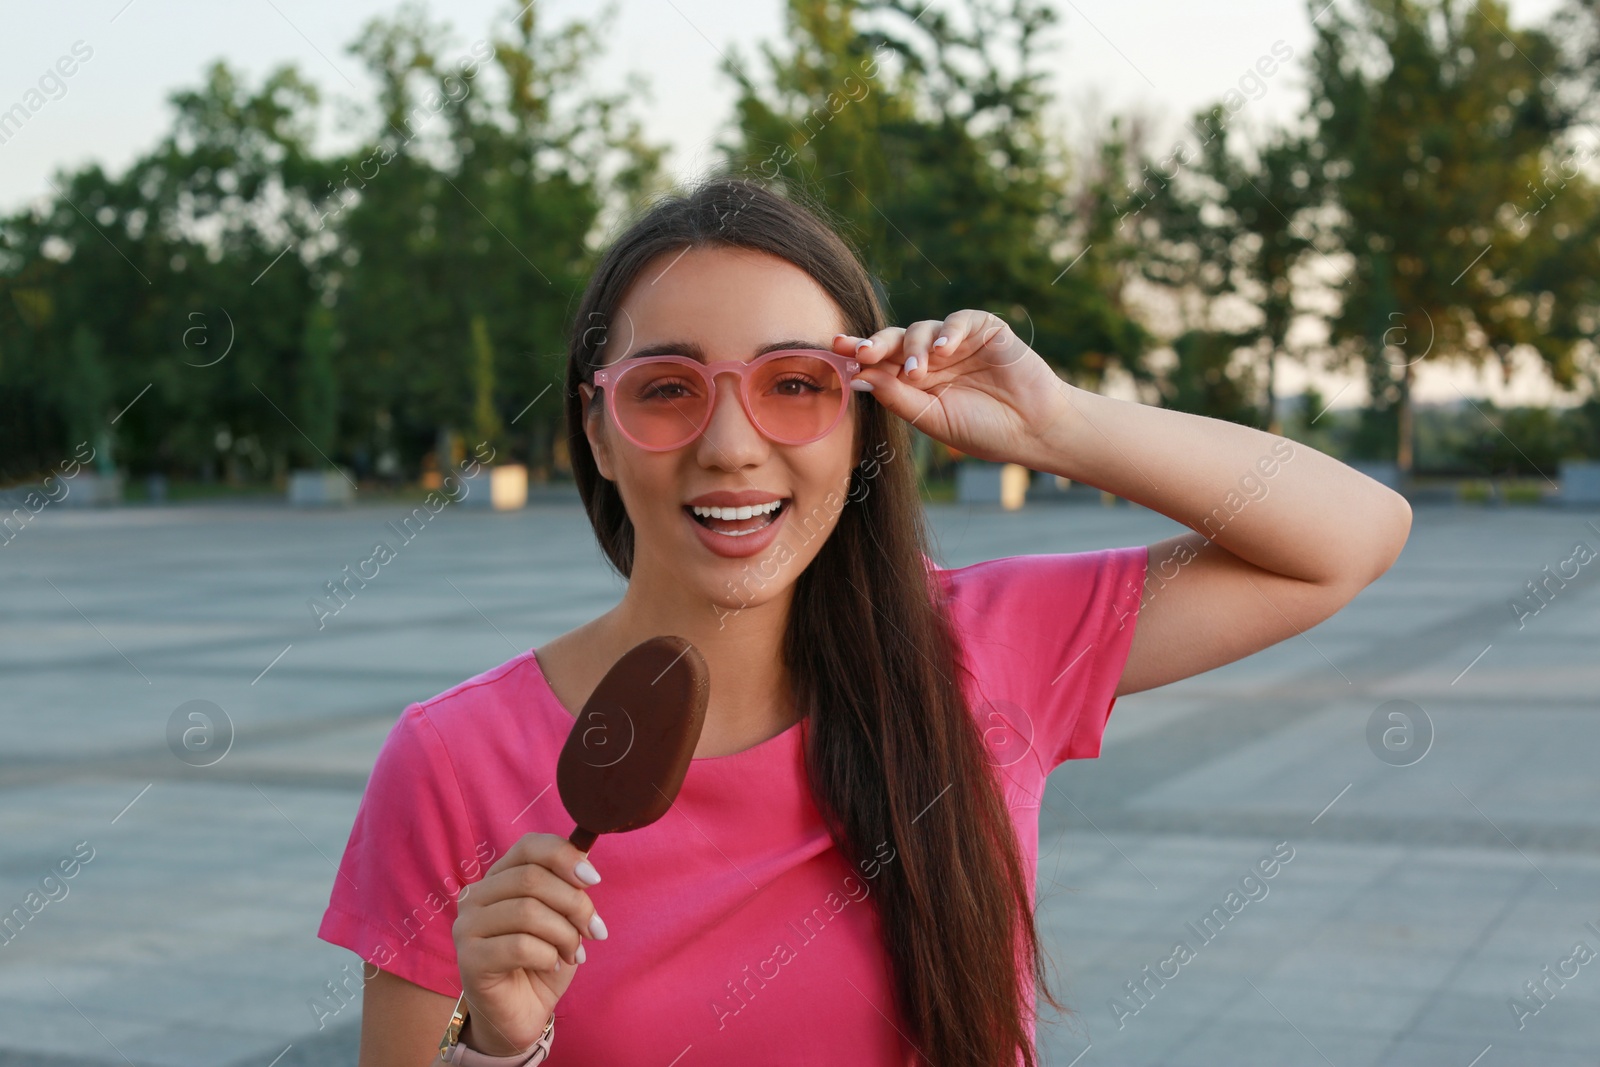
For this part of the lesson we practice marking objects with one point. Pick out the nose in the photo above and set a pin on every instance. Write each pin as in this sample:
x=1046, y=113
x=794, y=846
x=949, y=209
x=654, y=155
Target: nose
x=731, y=440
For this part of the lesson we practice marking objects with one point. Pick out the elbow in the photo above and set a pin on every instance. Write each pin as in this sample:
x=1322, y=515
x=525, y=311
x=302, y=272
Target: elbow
x=1391, y=527
x=1399, y=512
x=1366, y=546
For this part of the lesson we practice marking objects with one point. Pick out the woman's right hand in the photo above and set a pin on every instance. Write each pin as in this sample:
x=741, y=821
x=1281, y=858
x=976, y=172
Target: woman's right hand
x=519, y=938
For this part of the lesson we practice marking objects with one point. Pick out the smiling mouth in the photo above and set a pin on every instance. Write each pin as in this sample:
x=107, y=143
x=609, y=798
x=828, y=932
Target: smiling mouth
x=739, y=527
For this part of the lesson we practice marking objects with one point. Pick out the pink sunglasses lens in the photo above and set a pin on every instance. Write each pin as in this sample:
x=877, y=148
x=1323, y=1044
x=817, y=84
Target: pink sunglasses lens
x=660, y=404
x=795, y=398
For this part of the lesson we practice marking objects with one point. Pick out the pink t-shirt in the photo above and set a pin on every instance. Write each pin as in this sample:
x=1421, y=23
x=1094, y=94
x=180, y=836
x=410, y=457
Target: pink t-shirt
x=737, y=932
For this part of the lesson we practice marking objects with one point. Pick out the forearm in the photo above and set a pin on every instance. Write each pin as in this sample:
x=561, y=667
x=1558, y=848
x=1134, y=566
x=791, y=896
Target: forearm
x=1275, y=503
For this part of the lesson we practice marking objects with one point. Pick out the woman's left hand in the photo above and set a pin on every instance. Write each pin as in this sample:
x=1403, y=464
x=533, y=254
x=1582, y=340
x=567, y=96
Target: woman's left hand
x=975, y=386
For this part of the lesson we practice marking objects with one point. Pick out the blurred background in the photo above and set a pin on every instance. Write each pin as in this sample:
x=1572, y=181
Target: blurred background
x=244, y=241
x=269, y=271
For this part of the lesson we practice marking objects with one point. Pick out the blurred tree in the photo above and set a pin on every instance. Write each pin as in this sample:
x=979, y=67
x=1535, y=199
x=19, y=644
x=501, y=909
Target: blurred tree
x=478, y=203
x=318, y=390
x=159, y=264
x=486, y=424
x=1436, y=120
x=924, y=134
x=1232, y=232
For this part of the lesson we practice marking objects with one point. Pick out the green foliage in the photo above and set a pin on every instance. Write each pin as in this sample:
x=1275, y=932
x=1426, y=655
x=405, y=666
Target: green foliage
x=1205, y=381
x=1481, y=440
x=344, y=289
x=318, y=389
x=240, y=302
x=1437, y=127
x=924, y=133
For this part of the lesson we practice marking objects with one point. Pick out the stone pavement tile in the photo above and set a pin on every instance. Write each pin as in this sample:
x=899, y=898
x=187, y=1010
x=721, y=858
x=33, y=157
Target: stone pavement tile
x=1505, y=765
x=251, y=1004
x=1505, y=974
x=1419, y=1050
x=73, y=1030
x=1542, y=767
x=106, y=709
x=22, y=984
x=1545, y=923
x=1277, y=1044
x=469, y=641
x=1138, y=714
x=1514, y=666
x=1574, y=1025
x=1300, y=767
x=350, y=750
x=43, y=634
x=1341, y=960
x=1061, y=912
x=337, y=1046
x=201, y=1044
x=1135, y=1046
x=1196, y=992
x=106, y=714
x=1340, y=1005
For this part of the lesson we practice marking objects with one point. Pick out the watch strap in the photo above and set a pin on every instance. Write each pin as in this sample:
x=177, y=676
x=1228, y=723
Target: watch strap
x=452, y=1051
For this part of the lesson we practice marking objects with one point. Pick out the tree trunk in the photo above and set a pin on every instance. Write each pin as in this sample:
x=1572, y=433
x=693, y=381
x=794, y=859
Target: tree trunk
x=1403, y=424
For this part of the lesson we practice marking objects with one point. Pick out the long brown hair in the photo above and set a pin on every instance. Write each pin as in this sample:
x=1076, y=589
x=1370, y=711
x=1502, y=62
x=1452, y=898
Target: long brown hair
x=890, y=739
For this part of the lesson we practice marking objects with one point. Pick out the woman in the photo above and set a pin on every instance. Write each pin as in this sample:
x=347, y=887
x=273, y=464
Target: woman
x=848, y=873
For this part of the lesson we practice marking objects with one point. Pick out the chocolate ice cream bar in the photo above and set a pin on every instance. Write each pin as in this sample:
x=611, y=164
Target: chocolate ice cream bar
x=630, y=747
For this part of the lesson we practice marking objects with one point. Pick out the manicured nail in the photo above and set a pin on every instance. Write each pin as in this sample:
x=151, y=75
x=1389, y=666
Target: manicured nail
x=861, y=385
x=582, y=955
x=586, y=871
x=940, y=341
x=911, y=364
x=863, y=344
x=597, y=929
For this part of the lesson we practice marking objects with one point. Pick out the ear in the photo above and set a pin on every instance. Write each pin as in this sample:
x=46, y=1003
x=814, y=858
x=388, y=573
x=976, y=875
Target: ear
x=592, y=418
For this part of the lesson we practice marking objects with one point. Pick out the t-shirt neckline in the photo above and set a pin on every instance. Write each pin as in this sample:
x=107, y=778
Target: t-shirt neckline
x=786, y=736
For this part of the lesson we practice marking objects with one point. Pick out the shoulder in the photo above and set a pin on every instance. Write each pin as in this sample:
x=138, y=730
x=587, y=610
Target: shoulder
x=462, y=748
x=476, y=703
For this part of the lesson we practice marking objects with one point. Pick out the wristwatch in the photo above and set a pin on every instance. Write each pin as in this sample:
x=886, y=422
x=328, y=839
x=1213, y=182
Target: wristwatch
x=451, y=1050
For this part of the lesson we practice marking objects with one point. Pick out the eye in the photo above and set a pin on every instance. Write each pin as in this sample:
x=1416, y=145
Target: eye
x=664, y=387
x=803, y=384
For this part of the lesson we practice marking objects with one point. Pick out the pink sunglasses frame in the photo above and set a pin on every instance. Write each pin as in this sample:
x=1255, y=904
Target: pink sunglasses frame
x=607, y=376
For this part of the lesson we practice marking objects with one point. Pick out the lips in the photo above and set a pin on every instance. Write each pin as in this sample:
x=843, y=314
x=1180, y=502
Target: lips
x=738, y=538
x=737, y=527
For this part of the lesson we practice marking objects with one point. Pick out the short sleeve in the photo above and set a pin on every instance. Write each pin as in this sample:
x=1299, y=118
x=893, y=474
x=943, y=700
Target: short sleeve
x=1045, y=639
x=410, y=853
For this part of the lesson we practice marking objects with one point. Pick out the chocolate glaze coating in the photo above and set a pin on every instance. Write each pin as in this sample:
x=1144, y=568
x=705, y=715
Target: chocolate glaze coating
x=630, y=747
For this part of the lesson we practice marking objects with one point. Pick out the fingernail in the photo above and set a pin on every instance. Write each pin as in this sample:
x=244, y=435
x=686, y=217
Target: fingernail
x=582, y=955
x=863, y=344
x=597, y=929
x=861, y=385
x=586, y=871
x=940, y=341
x=911, y=364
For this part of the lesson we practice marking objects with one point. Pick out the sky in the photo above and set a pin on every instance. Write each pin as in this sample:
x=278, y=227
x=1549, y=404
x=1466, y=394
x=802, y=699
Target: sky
x=1159, y=58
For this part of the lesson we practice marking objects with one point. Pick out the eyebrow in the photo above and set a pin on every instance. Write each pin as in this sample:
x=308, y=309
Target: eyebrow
x=695, y=352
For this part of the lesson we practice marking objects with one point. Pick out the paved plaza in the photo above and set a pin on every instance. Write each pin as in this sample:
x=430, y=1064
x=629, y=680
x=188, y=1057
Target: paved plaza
x=1412, y=900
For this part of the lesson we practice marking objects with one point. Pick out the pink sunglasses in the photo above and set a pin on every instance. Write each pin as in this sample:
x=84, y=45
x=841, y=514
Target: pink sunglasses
x=792, y=396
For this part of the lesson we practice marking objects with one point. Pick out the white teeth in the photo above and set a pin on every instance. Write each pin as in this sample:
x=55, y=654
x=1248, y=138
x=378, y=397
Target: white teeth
x=737, y=513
